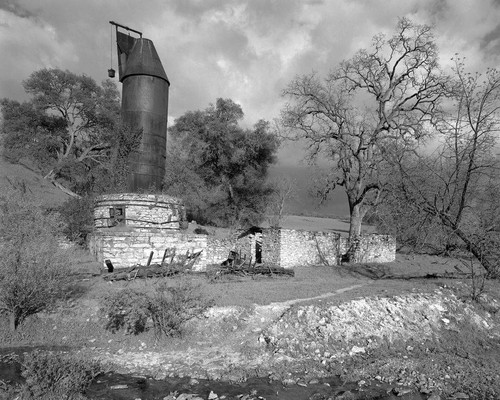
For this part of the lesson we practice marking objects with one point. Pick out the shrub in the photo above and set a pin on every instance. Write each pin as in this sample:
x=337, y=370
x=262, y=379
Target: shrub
x=78, y=217
x=168, y=307
x=126, y=309
x=201, y=231
x=57, y=376
x=171, y=306
x=33, y=273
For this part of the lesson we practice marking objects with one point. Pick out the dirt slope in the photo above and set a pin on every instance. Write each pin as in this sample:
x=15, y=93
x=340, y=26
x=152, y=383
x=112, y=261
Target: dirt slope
x=17, y=174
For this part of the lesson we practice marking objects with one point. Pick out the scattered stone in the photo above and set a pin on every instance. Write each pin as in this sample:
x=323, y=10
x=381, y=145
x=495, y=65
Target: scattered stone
x=434, y=397
x=401, y=391
x=288, y=382
x=193, y=381
x=460, y=395
x=357, y=350
x=212, y=396
x=345, y=396
x=301, y=383
x=313, y=382
x=116, y=387
x=191, y=396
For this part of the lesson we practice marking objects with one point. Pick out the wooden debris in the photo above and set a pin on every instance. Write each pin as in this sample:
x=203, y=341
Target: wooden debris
x=184, y=265
x=238, y=265
x=251, y=270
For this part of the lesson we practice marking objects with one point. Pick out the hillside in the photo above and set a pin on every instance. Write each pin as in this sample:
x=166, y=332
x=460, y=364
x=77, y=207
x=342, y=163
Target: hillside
x=18, y=174
x=303, y=202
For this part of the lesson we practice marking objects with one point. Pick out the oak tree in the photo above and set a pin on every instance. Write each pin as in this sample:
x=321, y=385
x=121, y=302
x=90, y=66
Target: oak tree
x=66, y=126
x=218, y=167
x=383, y=94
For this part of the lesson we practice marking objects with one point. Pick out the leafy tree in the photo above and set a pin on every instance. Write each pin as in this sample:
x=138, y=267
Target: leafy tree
x=33, y=266
x=382, y=95
x=219, y=168
x=67, y=127
x=457, y=185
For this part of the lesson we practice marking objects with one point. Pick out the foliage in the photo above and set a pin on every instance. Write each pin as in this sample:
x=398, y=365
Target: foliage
x=219, y=168
x=78, y=215
x=57, y=376
x=33, y=272
x=383, y=95
x=66, y=127
x=126, y=309
x=168, y=307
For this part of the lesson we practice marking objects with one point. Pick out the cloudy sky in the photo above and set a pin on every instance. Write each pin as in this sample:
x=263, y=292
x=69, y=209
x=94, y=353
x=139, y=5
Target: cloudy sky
x=246, y=50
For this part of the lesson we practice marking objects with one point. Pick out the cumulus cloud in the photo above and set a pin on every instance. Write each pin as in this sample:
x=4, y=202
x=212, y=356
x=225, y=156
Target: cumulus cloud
x=247, y=50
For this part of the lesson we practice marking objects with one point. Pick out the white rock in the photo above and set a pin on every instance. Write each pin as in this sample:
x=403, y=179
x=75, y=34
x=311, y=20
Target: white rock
x=116, y=387
x=357, y=350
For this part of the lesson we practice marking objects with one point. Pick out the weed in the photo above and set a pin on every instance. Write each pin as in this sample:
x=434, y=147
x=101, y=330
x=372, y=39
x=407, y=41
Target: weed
x=57, y=376
x=126, y=309
x=170, y=307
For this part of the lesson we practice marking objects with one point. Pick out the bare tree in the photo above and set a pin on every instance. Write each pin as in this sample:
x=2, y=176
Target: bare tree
x=381, y=95
x=284, y=188
x=457, y=183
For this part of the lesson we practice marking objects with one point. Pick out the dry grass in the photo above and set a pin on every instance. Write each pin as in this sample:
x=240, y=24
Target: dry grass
x=308, y=282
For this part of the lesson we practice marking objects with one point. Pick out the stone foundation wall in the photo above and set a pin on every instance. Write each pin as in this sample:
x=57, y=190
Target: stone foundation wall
x=125, y=249
x=282, y=247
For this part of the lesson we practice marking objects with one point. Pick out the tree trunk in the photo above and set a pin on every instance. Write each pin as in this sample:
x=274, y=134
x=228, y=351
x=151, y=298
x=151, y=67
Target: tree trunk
x=356, y=218
x=492, y=266
x=69, y=192
x=12, y=321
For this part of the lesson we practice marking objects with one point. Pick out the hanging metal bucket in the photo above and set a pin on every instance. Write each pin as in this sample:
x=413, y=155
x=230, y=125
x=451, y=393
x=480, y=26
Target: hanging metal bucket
x=111, y=73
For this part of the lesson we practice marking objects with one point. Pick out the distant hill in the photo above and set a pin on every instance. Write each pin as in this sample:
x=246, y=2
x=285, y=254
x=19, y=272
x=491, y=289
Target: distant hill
x=304, y=203
x=17, y=174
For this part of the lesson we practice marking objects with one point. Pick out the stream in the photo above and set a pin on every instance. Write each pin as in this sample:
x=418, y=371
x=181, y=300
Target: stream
x=114, y=386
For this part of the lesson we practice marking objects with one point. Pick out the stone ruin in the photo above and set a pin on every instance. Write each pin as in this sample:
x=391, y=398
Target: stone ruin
x=129, y=226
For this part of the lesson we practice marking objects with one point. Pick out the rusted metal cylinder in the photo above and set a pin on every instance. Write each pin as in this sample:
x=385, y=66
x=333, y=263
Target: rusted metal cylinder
x=145, y=106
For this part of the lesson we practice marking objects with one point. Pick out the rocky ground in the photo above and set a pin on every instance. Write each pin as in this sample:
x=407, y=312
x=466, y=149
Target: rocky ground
x=436, y=343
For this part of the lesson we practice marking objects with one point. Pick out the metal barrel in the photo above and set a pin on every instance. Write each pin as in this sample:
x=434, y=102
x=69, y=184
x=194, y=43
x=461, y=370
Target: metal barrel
x=145, y=106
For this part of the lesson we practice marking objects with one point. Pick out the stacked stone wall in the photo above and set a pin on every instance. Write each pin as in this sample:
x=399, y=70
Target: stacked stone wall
x=149, y=211
x=125, y=249
x=299, y=247
x=282, y=247
x=372, y=248
x=271, y=245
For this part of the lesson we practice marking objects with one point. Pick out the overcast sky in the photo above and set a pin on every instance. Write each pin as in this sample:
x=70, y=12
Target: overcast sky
x=246, y=50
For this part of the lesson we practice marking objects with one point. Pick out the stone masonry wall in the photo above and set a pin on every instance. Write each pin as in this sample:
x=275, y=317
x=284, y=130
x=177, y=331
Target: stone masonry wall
x=141, y=210
x=282, y=247
x=298, y=247
x=271, y=245
x=125, y=249
x=372, y=248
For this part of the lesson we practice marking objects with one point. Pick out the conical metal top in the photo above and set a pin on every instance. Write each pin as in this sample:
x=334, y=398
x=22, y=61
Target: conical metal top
x=138, y=57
